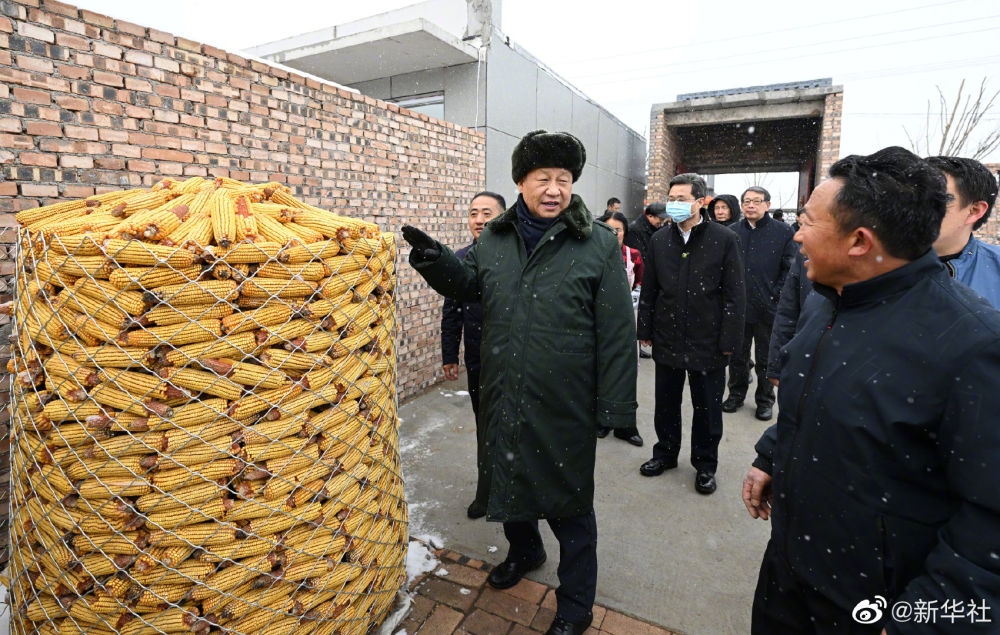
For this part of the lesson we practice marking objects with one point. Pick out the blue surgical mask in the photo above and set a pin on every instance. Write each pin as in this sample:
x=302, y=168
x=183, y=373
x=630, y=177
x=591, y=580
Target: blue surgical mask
x=679, y=210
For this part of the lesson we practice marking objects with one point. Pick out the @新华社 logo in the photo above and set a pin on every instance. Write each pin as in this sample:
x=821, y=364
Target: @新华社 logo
x=869, y=611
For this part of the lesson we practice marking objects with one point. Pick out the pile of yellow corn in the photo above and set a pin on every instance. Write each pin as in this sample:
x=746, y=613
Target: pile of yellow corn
x=204, y=426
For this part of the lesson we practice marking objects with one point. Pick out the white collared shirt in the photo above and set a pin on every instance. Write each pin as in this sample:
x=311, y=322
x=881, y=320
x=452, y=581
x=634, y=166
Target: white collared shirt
x=686, y=235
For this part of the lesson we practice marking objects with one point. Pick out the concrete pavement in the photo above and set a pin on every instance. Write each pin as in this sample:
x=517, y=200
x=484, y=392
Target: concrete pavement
x=666, y=553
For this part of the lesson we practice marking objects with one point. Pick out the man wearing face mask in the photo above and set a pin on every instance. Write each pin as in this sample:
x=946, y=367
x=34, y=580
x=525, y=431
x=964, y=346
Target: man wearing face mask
x=691, y=311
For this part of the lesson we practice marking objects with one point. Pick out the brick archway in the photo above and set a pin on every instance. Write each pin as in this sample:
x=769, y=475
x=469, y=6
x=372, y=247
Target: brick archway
x=792, y=127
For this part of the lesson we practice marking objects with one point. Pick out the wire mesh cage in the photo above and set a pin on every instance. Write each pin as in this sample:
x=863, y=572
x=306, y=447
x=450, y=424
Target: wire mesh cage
x=204, y=429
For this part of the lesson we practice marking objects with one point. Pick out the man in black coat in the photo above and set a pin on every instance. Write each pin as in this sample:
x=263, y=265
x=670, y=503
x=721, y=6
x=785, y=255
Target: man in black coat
x=797, y=288
x=691, y=311
x=468, y=316
x=768, y=252
x=641, y=230
x=885, y=459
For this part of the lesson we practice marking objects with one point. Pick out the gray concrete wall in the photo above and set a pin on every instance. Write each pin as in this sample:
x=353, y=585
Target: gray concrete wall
x=517, y=95
x=523, y=96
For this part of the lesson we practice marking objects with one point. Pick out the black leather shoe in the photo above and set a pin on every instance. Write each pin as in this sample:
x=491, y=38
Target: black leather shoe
x=704, y=483
x=509, y=572
x=732, y=404
x=632, y=436
x=602, y=432
x=763, y=413
x=476, y=511
x=655, y=467
x=562, y=626
x=644, y=355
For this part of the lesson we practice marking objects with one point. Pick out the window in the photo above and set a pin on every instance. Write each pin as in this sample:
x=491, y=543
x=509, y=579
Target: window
x=430, y=104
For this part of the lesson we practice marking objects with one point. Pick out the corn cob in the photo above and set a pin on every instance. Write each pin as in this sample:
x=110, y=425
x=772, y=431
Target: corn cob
x=164, y=314
x=275, y=287
x=148, y=279
x=206, y=291
x=200, y=381
x=237, y=347
x=111, y=357
x=129, y=301
x=134, y=252
x=173, y=334
x=268, y=315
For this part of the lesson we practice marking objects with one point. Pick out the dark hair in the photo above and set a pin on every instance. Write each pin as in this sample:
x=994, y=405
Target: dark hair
x=799, y=212
x=759, y=190
x=778, y=215
x=698, y=187
x=493, y=195
x=655, y=209
x=613, y=201
x=973, y=181
x=894, y=193
x=618, y=216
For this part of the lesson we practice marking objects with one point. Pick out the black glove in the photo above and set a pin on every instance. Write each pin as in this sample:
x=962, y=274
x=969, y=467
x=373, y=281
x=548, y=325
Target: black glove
x=425, y=248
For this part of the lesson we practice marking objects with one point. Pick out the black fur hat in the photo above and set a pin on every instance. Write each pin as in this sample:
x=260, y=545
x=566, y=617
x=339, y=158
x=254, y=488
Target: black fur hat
x=540, y=149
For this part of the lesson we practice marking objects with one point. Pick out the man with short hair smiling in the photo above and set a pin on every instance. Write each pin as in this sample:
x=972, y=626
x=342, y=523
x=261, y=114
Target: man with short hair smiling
x=558, y=361
x=972, y=193
x=614, y=205
x=457, y=317
x=885, y=461
x=768, y=253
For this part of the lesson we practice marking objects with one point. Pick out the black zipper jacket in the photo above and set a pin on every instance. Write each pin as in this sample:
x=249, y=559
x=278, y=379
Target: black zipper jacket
x=768, y=253
x=886, y=453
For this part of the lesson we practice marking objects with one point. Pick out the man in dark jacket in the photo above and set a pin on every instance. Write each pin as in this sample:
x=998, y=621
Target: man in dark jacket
x=641, y=230
x=457, y=317
x=768, y=252
x=797, y=288
x=691, y=311
x=558, y=361
x=885, y=495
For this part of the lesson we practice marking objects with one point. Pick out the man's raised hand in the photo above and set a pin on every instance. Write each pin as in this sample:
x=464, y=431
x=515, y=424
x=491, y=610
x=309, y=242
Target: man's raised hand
x=425, y=248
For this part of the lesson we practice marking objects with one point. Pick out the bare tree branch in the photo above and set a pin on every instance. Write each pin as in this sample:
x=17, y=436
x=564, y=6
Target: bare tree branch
x=959, y=123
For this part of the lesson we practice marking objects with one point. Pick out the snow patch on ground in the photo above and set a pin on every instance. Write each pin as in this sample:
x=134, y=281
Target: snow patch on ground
x=399, y=613
x=419, y=560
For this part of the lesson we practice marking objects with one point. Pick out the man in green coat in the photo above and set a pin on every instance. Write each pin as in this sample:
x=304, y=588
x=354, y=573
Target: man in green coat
x=558, y=361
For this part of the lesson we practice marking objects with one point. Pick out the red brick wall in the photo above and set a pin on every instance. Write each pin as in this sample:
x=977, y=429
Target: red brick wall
x=90, y=104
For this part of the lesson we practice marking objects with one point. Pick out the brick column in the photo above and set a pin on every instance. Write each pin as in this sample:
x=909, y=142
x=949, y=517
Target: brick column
x=663, y=156
x=829, y=143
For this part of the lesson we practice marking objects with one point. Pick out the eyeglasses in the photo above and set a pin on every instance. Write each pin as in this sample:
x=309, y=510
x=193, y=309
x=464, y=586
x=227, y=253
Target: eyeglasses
x=753, y=201
x=673, y=199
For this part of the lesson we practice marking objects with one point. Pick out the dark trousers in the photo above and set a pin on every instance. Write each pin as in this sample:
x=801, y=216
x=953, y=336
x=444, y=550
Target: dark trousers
x=783, y=604
x=483, y=465
x=739, y=366
x=577, y=571
x=706, y=428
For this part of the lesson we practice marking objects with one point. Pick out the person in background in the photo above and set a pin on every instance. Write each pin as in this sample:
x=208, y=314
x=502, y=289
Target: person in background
x=457, y=317
x=725, y=209
x=691, y=312
x=778, y=215
x=633, y=270
x=881, y=477
x=614, y=205
x=798, y=215
x=797, y=288
x=972, y=193
x=640, y=232
x=768, y=253
x=558, y=361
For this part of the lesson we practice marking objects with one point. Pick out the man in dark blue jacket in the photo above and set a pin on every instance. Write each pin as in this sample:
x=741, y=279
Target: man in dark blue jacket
x=468, y=316
x=885, y=498
x=768, y=252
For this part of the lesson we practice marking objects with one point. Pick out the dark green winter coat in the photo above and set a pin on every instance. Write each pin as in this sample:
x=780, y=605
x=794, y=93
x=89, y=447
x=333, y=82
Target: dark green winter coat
x=558, y=356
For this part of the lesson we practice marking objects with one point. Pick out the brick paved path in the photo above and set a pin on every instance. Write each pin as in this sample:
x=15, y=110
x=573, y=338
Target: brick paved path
x=455, y=598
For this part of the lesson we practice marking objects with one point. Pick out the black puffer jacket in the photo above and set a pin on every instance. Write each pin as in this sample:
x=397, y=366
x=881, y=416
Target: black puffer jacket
x=735, y=212
x=886, y=453
x=768, y=252
x=693, y=301
x=456, y=318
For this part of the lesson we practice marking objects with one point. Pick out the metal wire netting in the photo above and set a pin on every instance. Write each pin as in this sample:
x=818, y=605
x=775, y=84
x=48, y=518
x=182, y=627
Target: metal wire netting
x=204, y=430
